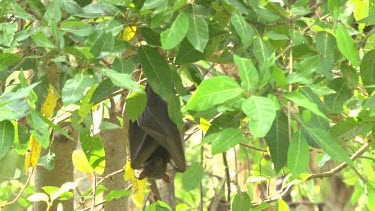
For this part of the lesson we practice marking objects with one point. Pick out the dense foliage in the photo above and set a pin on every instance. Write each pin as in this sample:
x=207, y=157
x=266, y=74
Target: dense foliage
x=279, y=91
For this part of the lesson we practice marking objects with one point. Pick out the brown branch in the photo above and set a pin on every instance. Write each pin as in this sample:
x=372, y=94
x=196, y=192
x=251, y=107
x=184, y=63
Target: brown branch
x=281, y=193
x=252, y=147
x=154, y=190
x=340, y=167
x=227, y=175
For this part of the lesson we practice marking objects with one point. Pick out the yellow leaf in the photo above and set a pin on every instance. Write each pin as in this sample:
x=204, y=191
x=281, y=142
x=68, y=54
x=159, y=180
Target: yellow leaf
x=80, y=161
x=139, y=192
x=32, y=157
x=282, y=205
x=129, y=173
x=204, y=125
x=50, y=103
x=138, y=186
x=129, y=32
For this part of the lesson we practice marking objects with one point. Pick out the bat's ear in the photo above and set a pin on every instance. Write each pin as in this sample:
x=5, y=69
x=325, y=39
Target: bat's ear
x=166, y=178
x=142, y=175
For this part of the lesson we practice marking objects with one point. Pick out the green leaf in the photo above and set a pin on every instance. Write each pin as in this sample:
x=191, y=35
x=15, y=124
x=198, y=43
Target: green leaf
x=157, y=71
x=75, y=88
x=6, y=137
x=261, y=112
x=41, y=130
x=154, y=4
x=239, y=5
x=241, y=202
x=8, y=59
x=47, y=161
x=176, y=33
x=335, y=102
x=93, y=148
x=301, y=100
x=325, y=43
x=152, y=37
x=334, y=8
x=329, y=145
x=80, y=162
x=213, y=91
x=135, y=104
x=248, y=73
x=226, y=120
x=116, y=194
x=158, y=206
x=122, y=80
x=198, y=32
x=159, y=76
x=278, y=142
x=72, y=7
x=346, y=130
x=187, y=53
x=192, y=177
x=53, y=12
x=103, y=91
x=261, y=50
x=368, y=70
x=123, y=65
x=41, y=40
x=225, y=139
x=243, y=29
x=13, y=105
x=321, y=90
x=298, y=155
x=346, y=45
x=174, y=111
x=77, y=27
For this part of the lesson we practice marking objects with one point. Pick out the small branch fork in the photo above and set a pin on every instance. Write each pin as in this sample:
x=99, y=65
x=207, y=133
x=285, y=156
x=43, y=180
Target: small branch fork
x=283, y=191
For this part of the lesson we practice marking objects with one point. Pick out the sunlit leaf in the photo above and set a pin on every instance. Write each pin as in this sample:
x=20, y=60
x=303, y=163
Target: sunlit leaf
x=248, y=72
x=176, y=33
x=298, y=155
x=80, y=161
x=213, y=91
x=261, y=112
x=244, y=30
x=74, y=89
x=301, y=100
x=329, y=145
x=346, y=45
x=192, y=177
x=198, y=32
x=241, y=202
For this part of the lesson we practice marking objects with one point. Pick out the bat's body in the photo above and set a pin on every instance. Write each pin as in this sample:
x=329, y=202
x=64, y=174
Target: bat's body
x=154, y=139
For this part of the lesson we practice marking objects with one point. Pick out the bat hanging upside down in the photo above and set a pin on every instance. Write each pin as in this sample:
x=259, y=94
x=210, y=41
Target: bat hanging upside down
x=154, y=140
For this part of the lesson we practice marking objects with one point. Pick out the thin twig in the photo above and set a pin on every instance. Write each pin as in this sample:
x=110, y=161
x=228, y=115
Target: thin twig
x=98, y=204
x=340, y=167
x=93, y=194
x=252, y=147
x=281, y=193
x=21, y=191
x=227, y=175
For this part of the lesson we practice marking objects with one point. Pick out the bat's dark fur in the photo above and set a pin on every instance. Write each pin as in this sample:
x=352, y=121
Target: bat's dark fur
x=154, y=140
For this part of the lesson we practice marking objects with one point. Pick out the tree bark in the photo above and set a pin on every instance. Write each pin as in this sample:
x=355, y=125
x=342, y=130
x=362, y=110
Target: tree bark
x=63, y=148
x=114, y=142
x=167, y=190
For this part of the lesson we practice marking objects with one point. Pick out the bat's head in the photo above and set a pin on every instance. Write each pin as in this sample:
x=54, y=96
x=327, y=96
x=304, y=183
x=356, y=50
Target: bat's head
x=156, y=165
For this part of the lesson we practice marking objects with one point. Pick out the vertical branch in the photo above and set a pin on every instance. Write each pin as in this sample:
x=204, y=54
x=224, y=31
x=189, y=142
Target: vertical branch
x=201, y=185
x=227, y=176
